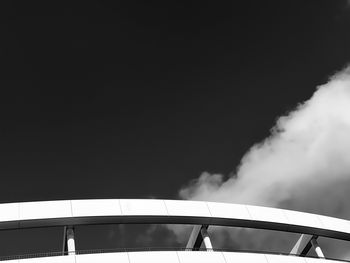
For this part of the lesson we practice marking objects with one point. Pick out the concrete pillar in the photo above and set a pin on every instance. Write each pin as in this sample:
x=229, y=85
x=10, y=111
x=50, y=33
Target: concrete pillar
x=317, y=248
x=206, y=239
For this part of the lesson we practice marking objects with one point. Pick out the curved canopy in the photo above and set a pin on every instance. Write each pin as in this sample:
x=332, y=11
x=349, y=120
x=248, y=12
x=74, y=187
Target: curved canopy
x=106, y=211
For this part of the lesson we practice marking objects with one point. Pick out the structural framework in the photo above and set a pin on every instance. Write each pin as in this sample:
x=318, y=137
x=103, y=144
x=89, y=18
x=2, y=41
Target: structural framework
x=70, y=213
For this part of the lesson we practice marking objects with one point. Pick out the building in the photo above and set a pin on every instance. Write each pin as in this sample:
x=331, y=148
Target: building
x=71, y=213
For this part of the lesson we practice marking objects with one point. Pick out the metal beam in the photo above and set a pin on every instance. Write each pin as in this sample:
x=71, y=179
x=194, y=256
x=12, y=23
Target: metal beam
x=302, y=246
x=68, y=241
x=193, y=237
x=206, y=238
x=199, y=235
x=317, y=248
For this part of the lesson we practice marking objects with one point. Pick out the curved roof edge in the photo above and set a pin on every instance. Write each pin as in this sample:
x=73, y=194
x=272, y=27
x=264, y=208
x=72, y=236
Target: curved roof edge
x=174, y=257
x=104, y=211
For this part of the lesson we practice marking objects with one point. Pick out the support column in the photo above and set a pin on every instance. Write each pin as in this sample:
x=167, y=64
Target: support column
x=206, y=239
x=68, y=241
x=304, y=244
x=199, y=235
x=317, y=248
x=193, y=237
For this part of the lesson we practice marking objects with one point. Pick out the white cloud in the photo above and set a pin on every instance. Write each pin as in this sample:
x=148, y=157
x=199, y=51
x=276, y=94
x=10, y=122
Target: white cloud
x=303, y=165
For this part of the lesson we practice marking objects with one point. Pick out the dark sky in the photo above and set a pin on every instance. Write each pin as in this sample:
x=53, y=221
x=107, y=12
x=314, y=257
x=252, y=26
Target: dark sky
x=133, y=99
